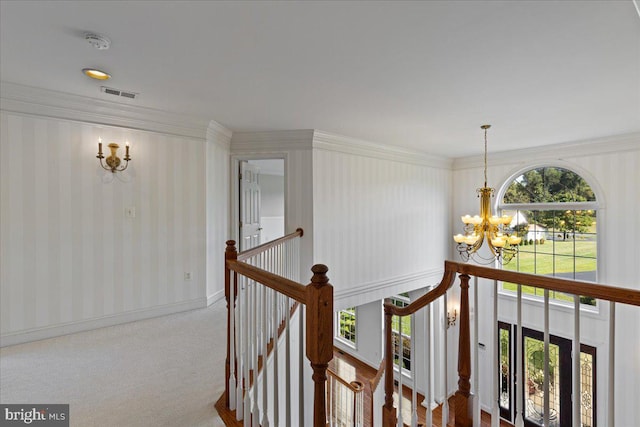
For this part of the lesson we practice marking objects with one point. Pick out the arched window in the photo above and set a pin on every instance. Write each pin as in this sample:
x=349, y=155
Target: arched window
x=554, y=210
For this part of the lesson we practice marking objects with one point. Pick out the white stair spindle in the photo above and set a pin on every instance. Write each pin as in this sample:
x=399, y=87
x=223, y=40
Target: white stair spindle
x=414, y=395
x=445, y=403
x=575, y=398
x=287, y=359
x=240, y=325
x=519, y=368
x=301, y=365
x=255, y=411
x=428, y=390
x=476, y=371
x=248, y=355
x=612, y=368
x=547, y=402
x=276, y=403
x=400, y=363
x=495, y=382
x=265, y=367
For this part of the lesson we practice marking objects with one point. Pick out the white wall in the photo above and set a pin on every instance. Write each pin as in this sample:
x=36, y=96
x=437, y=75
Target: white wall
x=271, y=206
x=381, y=218
x=613, y=167
x=70, y=260
x=217, y=203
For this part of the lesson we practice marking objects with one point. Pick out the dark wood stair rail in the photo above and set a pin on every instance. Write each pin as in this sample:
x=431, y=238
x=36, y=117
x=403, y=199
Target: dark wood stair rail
x=318, y=298
x=451, y=268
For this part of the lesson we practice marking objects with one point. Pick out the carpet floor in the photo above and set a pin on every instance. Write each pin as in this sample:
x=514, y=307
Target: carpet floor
x=167, y=371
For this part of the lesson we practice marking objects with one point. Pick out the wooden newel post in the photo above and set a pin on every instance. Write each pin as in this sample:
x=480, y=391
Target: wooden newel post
x=319, y=332
x=462, y=404
x=230, y=254
x=388, y=411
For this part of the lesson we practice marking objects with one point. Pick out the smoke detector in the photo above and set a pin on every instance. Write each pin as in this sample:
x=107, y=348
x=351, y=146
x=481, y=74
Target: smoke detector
x=98, y=41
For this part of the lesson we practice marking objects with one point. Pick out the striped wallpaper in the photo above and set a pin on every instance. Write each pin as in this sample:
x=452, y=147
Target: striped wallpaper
x=68, y=253
x=378, y=220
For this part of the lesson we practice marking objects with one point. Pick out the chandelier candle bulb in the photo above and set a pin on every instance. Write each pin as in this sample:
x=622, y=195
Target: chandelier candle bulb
x=459, y=238
x=466, y=219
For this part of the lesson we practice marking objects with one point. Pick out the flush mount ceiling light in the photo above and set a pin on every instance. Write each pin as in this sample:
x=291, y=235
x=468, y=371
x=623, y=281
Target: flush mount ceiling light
x=96, y=74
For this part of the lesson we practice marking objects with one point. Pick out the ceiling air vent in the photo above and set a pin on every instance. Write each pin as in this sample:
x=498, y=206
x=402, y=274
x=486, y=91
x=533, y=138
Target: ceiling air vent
x=118, y=92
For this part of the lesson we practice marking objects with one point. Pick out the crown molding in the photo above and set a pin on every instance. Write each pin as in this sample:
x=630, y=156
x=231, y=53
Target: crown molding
x=270, y=141
x=331, y=142
x=219, y=135
x=29, y=100
x=562, y=151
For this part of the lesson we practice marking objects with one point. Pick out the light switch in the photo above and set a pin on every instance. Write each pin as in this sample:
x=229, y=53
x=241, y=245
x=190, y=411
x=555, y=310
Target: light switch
x=130, y=212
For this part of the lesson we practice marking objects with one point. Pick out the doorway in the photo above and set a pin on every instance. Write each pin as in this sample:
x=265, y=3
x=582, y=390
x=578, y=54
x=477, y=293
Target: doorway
x=261, y=201
x=560, y=381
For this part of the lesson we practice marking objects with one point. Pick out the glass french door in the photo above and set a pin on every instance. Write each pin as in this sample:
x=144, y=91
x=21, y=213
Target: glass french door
x=560, y=372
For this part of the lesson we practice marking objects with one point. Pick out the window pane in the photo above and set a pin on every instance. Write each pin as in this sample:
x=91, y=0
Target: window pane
x=347, y=324
x=586, y=390
x=548, y=184
x=534, y=383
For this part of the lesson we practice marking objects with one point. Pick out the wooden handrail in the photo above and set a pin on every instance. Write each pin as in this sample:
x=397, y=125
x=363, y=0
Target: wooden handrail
x=244, y=255
x=284, y=286
x=575, y=287
x=373, y=382
x=350, y=385
x=426, y=299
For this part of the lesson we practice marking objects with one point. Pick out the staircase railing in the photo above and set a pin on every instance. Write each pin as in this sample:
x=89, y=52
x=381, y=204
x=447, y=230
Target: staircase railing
x=465, y=412
x=345, y=402
x=262, y=290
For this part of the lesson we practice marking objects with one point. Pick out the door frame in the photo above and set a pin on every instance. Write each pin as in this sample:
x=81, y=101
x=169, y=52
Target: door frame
x=234, y=214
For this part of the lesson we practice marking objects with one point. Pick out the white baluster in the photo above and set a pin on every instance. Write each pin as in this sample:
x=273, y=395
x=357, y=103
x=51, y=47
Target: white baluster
x=301, y=365
x=400, y=362
x=519, y=368
x=476, y=371
x=575, y=398
x=612, y=368
x=495, y=383
x=445, y=404
x=414, y=395
x=428, y=390
x=545, y=386
x=276, y=403
x=265, y=367
x=255, y=412
x=287, y=359
x=248, y=355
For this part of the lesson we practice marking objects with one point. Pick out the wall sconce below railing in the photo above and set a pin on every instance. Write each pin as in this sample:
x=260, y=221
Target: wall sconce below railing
x=451, y=317
x=113, y=162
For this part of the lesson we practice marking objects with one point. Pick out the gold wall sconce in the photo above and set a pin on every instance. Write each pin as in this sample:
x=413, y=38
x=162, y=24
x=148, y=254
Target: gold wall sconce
x=113, y=162
x=452, y=317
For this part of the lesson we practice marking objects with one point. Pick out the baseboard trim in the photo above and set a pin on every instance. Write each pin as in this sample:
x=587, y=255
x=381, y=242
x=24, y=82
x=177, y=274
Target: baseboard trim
x=215, y=297
x=46, y=332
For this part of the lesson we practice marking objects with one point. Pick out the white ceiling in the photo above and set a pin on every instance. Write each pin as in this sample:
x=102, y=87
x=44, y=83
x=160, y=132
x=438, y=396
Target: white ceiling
x=421, y=75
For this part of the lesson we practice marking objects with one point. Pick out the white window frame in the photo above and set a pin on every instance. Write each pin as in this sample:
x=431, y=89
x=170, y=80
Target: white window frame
x=597, y=205
x=353, y=344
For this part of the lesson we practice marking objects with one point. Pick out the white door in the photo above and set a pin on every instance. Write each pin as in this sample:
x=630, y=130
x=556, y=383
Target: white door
x=249, y=206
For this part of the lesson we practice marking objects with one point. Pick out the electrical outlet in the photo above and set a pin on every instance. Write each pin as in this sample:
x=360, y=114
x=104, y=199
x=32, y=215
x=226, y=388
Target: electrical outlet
x=187, y=275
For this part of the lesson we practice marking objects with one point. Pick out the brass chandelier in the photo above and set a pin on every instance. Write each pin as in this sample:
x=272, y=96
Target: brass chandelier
x=503, y=244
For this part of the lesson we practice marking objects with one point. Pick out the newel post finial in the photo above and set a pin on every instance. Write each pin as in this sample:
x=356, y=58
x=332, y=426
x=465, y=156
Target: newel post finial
x=319, y=337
